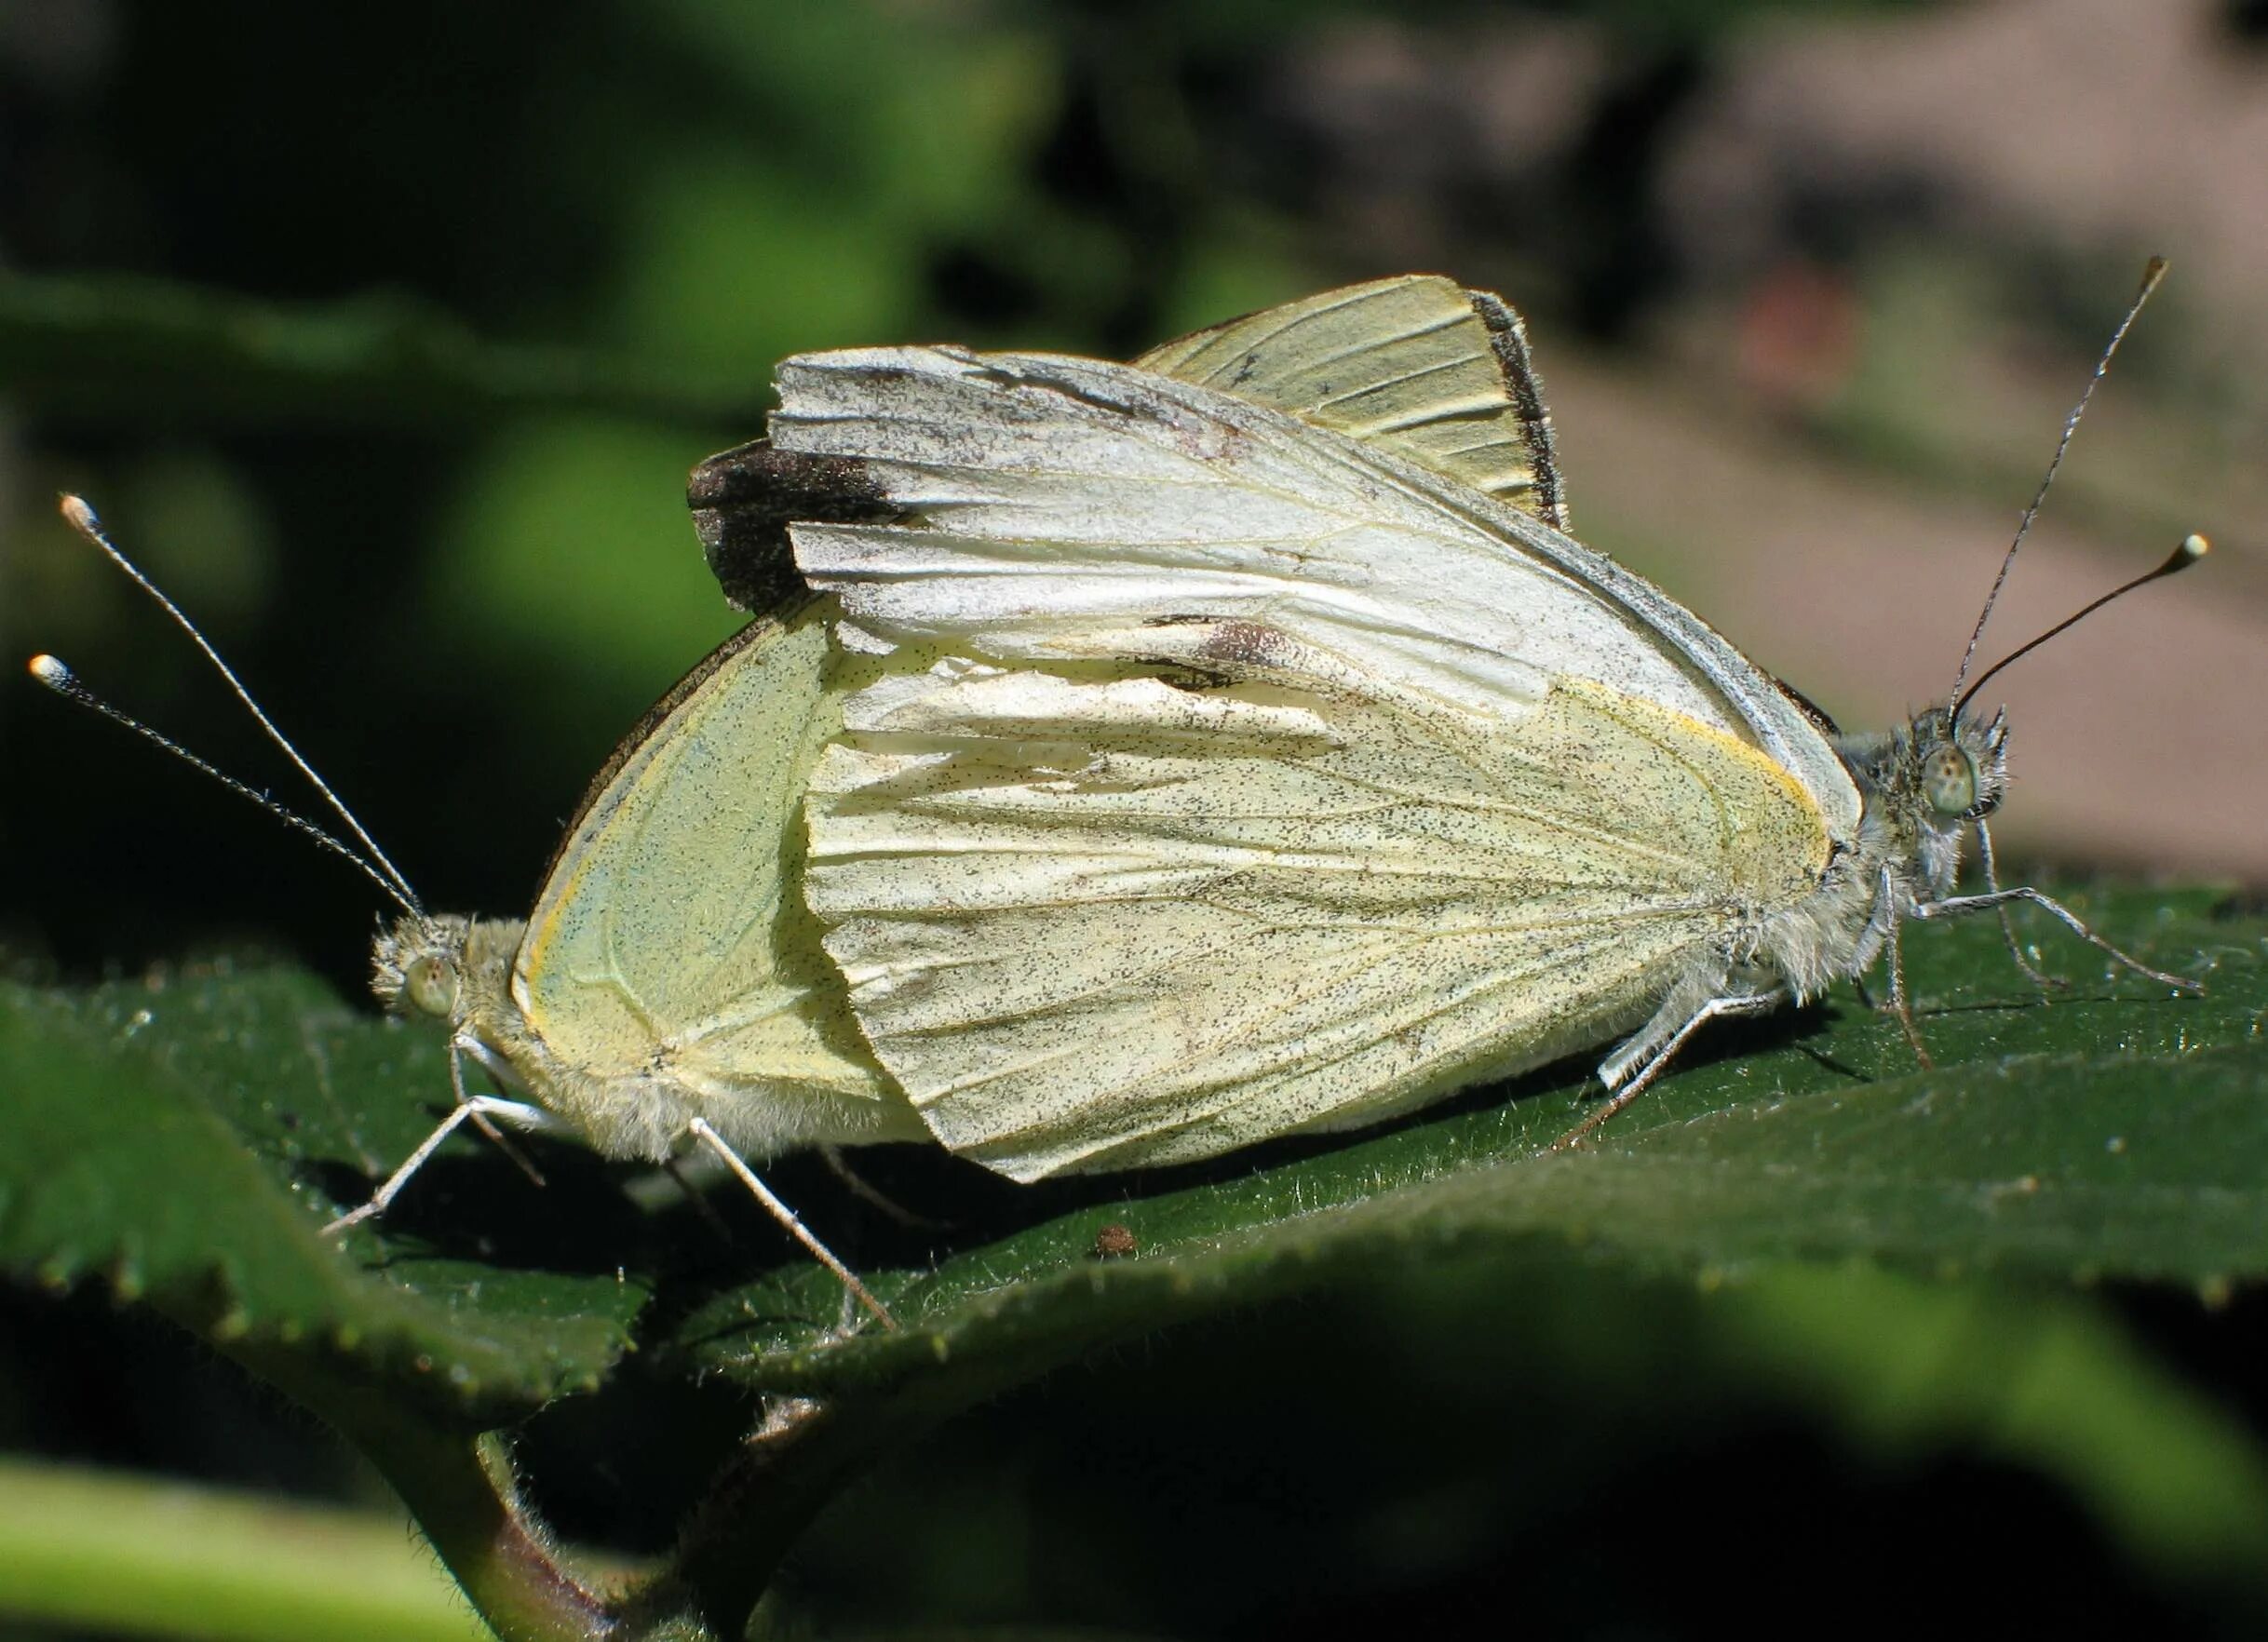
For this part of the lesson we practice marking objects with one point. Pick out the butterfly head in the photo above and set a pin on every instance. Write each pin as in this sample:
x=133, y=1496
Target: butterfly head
x=1943, y=772
x=1954, y=766
x=435, y=965
x=1929, y=781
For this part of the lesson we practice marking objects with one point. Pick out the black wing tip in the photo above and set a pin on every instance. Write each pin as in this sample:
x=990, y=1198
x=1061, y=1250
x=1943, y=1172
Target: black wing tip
x=744, y=499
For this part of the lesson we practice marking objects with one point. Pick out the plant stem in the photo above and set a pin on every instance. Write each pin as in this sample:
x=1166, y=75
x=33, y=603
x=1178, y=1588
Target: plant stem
x=459, y=1487
x=120, y=1553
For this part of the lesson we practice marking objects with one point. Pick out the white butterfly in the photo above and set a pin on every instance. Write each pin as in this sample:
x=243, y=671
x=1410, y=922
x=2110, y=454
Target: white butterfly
x=668, y=985
x=1184, y=753
x=1238, y=745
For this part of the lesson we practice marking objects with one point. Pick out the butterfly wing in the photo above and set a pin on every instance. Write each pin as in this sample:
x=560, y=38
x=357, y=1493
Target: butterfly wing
x=1224, y=773
x=1091, y=923
x=1054, y=506
x=671, y=940
x=1415, y=364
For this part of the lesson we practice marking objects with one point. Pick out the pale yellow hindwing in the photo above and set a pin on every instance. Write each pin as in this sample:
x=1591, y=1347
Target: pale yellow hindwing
x=1093, y=922
x=672, y=936
x=1415, y=364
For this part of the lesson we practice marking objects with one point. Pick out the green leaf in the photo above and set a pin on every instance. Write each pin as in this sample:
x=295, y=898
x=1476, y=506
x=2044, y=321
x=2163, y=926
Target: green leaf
x=1468, y=1414
x=1905, y=1367
x=187, y=1136
x=2118, y=1131
x=169, y=1134
x=182, y=1138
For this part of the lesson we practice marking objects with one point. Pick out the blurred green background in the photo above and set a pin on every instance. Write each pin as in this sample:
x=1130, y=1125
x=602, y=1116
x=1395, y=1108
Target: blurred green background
x=384, y=337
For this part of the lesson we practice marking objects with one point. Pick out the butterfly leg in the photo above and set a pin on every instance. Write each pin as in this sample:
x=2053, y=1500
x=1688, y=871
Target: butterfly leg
x=1894, y=959
x=502, y=1141
x=1997, y=899
x=517, y=1114
x=2038, y=977
x=786, y=1216
x=873, y=1196
x=1715, y=1008
x=675, y=1169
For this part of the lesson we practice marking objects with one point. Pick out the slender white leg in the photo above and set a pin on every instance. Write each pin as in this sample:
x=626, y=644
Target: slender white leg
x=1752, y=1004
x=517, y=1114
x=1955, y=905
x=1894, y=954
x=525, y=1164
x=2047, y=983
x=786, y=1216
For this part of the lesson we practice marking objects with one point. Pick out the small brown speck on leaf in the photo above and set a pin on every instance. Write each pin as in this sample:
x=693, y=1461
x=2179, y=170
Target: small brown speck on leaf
x=1114, y=1243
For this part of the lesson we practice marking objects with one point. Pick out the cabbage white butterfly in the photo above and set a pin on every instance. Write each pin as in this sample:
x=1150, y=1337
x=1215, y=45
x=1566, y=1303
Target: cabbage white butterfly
x=1225, y=745
x=668, y=985
x=1241, y=747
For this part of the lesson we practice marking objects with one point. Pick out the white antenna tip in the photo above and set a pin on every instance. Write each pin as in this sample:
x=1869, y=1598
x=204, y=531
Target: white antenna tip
x=2194, y=547
x=50, y=671
x=75, y=512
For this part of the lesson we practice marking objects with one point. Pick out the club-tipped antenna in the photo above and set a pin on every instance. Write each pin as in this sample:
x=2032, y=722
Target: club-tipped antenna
x=2152, y=274
x=2191, y=549
x=52, y=672
x=371, y=859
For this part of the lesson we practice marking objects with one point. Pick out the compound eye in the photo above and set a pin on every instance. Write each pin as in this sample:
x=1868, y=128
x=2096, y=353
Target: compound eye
x=1948, y=780
x=431, y=985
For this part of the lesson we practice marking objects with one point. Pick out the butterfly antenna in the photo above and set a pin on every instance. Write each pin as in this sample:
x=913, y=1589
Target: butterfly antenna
x=372, y=861
x=52, y=672
x=2152, y=274
x=2191, y=549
